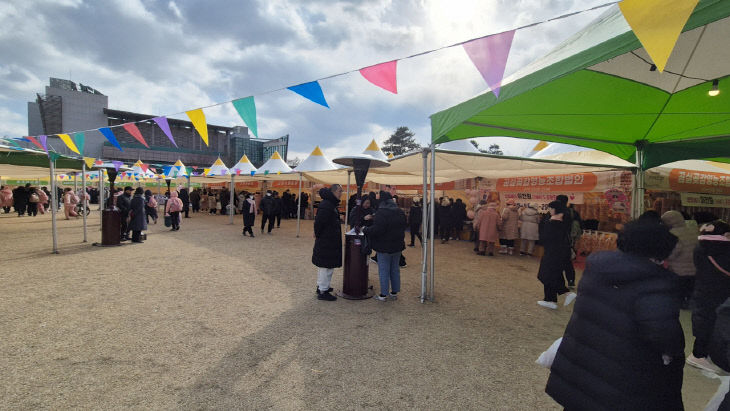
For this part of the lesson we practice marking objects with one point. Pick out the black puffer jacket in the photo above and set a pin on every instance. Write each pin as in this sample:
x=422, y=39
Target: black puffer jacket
x=712, y=287
x=327, y=252
x=626, y=317
x=386, y=235
x=267, y=205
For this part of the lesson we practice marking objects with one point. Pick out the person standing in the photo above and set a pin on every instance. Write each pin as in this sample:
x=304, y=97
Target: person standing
x=362, y=215
x=212, y=202
x=137, y=215
x=69, y=203
x=327, y=251
x=195, y=200
x=623, y=348
x=574, y=227
x=150, y=207
x=681, y=260
x=386, y=236
x=278, y=208
x=185, y=198
x=124, y=202
x=458, y=215
x=173, y=208
x=224, y=199
x=304, y=205
x=529, y=231
x=415, y=218
x=267, y=208
x=554, y=238
x=444, y=223
x=6, y=198
x=510, y=228
x=33, y=200
x=486, y=225
x=249, y=213
x=20, y=200
x=204, y=200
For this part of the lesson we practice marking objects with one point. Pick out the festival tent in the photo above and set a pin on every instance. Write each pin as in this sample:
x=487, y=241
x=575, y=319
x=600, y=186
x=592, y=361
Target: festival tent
x=375, y=151
x=176, y=170
x=244, y=167
x=217, y=169
x=274, y=165
x=459, y=145
x=599, y=89
x=315, y=162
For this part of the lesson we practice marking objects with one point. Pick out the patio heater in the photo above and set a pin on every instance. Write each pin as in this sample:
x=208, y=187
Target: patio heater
x=355, y=273
x=110, y=215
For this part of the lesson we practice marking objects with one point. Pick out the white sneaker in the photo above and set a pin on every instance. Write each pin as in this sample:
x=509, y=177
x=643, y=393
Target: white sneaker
x=548, y=304
x=380, y=297
x=704, y=364
x=569, y=299
x=393, y=296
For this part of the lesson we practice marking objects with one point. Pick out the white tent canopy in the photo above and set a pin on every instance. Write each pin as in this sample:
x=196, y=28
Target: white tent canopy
x=243, y=167
x=274, y=165
x=375, y=151
x=316, y=162
x=218, y=168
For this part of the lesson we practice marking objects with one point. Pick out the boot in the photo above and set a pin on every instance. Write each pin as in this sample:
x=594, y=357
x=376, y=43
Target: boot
x=326, y=296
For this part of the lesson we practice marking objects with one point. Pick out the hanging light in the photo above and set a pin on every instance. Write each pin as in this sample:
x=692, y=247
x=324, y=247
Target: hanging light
x=652, y=68
x=715, y=88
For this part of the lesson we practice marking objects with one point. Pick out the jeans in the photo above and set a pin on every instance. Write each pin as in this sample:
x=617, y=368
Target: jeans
x=389, y=272
x=324, y=278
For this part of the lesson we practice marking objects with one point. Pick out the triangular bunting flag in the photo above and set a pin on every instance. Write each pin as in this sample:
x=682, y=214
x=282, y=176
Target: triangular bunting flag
x=246, y=108
x=34, y=141
x=89, y=161
x=489, y=55
x=657, y=24
x=134, y=131
x=107, y=132
x=80, y=141
x=165, y=127
x=69, y=143
x=43, y=138
x=382, y=75
x=144, y=167
x=198, y=118
x=238, y=171
x=311, y=91
x=53, y=155
x=117, y=164
x=253, y=172
x=206, y=170
x=98, y=162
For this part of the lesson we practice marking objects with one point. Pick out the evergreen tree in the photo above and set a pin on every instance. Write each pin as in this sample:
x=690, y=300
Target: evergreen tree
x=400, y=142
x=493, y=148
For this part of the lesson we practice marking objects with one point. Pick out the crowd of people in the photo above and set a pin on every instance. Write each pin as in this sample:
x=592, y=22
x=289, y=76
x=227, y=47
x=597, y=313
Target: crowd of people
x=31, y=201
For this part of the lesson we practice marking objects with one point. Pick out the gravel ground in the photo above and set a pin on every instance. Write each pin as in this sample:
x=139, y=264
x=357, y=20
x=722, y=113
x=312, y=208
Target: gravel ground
x=204, y=318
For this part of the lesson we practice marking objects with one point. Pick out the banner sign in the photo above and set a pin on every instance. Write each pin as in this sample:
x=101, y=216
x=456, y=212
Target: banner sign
x=439, y=186
x=549, y=183
x=248, y=185
x=699, y=181
x=541, y=199
x=705, y=200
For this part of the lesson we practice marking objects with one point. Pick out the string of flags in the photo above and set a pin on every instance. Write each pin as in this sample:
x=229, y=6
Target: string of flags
x=489, y=54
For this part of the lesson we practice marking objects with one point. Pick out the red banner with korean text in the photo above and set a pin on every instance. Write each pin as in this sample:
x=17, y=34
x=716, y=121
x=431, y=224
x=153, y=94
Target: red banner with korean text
x=451, y=185
x=549, y=183
x=689, y=181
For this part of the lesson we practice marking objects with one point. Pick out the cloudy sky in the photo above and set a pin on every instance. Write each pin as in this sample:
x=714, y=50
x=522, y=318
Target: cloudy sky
x=165, y=57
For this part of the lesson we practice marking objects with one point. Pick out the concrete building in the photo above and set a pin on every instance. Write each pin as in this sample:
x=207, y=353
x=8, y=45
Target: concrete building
x=66, y=108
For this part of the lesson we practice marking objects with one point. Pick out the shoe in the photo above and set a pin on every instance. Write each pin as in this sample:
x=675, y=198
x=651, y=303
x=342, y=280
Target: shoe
x=444, y=241
x=404, y=266
x=329, y=290
x=380, y=297
x=548, y=304
x=522, y=253
x=569, y=299
x=704, y=364
x=244, y=234
x=269, y=233
x=502, y=250
x=393, y=296
x=251, y=234
x=326, y=296
x=140, y=242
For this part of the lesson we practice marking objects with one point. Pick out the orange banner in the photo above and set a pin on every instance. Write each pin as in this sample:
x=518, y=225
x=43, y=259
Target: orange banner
x=440, y=186
x=248, y=184
x=689, y=181
x=549, y=183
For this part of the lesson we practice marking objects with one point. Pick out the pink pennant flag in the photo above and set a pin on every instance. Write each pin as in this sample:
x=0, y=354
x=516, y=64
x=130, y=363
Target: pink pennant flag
x=382, y=75
x=144, y=167
x=489, y=55
x=134, y=131
x=238, y=171
x=34, y=141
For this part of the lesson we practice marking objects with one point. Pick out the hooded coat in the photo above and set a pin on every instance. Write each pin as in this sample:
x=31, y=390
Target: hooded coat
x=681, y=259
x=387, y=233
x=327, y=252
x=626, y=317
x=487, y=223
x=510, y=218
x=530, y=220
x=139, y=216
x=6, y=197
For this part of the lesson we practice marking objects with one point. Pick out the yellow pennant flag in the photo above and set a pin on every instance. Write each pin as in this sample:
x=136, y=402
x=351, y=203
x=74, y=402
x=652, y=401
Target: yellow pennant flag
x=89, y=161
x=198, y=118
x=657, y=24
x=69, y=143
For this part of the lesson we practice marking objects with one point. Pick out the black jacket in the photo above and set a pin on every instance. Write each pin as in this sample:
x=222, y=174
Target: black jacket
x=712, y=287
x=327, y=252
x=357, y=216
x=267, y=205
x=626, y=317
x=386, y=235
x=554, y=237
x=278, y=205
x=124, y=202
x=415, y=216
x=184, y=196
x=139, y=220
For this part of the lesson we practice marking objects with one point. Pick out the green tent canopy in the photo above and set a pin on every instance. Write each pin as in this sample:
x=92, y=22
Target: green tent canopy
x=598, y=89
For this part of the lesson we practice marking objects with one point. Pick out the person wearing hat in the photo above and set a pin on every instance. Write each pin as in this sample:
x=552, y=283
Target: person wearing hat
x=267, y=209
x=387, y=237
x=510, y=228
x=485, y=225
x=554, y=238
x=529, y=233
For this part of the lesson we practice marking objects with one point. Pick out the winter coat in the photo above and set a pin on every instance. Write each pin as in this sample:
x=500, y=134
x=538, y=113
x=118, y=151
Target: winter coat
x=173, y=203
x=327, y=252
x=510, y=218
x=138, y=212
x=530, y=219
x=626, y=317
x=357, y=216
x=278, y=205
x=555, y=240
x=20, y=197
x=267, y=205
x=415, y=216
x=487, y=223
x=720, y=341
x=458, y=214
x=681, y=259
x=387, y=233
x=211, y=201
x=444, y=213
x=184, y=196
x=712, y=286
x=123, y=204
x=249, y=212
x=6, y=197
x=195, y=197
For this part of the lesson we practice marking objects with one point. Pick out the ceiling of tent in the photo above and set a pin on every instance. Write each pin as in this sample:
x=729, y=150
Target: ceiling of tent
x=597, y=90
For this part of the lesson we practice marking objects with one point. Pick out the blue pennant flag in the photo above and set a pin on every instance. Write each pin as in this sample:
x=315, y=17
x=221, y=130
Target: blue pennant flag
x=311, y=91
x=107, y=132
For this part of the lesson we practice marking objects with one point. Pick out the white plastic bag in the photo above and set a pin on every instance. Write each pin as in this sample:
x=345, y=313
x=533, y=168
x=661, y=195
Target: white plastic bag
x=546, y=358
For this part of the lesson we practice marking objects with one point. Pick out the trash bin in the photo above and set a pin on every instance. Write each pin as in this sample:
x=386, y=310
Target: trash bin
x=110, y=227
x=355, y=276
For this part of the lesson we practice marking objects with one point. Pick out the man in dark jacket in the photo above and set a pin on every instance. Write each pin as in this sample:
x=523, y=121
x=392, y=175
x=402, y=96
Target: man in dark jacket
x=327, y=252
x=278, y=208
x=195, y=200
x=20, y=200
x=623, y=348
x=138, y=220
x=415, y=217
x=124, y=204
x=185, y=198
x=386, y=236
x=267, y=210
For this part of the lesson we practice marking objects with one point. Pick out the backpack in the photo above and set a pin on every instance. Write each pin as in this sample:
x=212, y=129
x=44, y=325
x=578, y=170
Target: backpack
x=34, y=197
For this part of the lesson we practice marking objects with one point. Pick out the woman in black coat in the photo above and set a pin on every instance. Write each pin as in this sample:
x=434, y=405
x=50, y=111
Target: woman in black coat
x=554, y=236
x=138, y=218
x=623, y=348
x=415, y=217
x=327, y=252
x=444, y=224
x=249, y=213
x=362, y=215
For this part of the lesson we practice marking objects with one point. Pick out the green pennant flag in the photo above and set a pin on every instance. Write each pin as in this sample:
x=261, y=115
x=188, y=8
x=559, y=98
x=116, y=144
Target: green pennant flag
x=246, y=108
x=79, y=139
x=53, y=155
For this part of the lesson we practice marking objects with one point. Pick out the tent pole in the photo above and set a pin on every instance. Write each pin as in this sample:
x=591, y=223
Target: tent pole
x=76, y=180
x=433, y=217
x=83, y=193
x=424, y=226
x=232, y=203
x=54, y=201
x=299, y=203
x=640, y=190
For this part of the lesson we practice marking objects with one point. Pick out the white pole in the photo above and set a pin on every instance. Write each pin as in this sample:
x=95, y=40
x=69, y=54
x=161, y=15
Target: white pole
x=639, y=183
x=232, y=204
x=299, y=203
x=424, y=226
x=86, y=203
x=433, y=216
x=54, y=200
